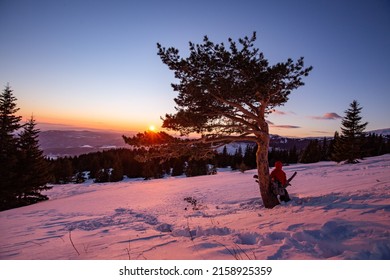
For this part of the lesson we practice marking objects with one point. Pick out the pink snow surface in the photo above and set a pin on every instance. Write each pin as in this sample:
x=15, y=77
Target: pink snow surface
x=336, y=212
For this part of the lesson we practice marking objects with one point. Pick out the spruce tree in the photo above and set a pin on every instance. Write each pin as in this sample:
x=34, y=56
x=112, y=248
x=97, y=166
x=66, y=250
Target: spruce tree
x=224, y=158
x=312, y=153
x=348, y=147
x=102, y=176
x=33, y=169
x=237, y=158
x=196, y=168
x=9, y=124
x=116, y=174
x=335, y=150
x=178, y=167
x=250, y=156
x=324, y=150
x=293, y=155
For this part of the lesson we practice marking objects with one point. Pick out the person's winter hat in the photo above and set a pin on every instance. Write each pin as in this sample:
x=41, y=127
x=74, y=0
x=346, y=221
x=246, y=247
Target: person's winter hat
x=278, y=165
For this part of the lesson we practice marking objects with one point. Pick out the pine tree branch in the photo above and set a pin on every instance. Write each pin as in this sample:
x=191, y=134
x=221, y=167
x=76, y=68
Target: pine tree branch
x=238, y=106
x=228, y=138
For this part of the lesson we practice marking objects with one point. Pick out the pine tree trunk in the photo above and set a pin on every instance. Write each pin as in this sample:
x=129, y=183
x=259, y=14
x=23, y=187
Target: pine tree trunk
x=269, y=199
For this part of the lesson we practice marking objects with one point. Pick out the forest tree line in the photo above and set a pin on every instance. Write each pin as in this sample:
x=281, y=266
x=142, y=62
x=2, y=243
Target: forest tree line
x=114, y=165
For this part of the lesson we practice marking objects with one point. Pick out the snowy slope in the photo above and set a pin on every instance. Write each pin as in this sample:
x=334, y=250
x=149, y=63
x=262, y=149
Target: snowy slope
x=336, y=212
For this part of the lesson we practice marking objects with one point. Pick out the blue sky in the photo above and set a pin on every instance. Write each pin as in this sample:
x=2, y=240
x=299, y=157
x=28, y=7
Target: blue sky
x=94, y=64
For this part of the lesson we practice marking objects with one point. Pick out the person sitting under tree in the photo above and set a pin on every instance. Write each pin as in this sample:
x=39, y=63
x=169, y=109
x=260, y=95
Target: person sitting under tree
x=278, y=176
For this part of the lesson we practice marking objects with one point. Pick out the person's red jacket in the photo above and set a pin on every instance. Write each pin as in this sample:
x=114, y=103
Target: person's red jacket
x=278, y=174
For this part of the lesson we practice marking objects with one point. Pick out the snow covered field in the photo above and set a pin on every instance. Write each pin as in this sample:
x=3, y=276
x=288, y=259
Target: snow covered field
x=336, y=212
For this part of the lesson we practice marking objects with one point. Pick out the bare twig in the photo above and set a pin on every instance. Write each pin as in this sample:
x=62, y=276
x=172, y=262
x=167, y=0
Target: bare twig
x=128, y=250
x=71, y=241
x=189, y=230
x=86, y=247
x=236, y=252
x=243, y=251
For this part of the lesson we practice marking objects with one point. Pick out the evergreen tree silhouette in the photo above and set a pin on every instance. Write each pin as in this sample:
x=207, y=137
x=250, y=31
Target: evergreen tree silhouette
x=225, y=94
x=9, y=124
x=348, y=147
x=33, y=169
x=312, y=153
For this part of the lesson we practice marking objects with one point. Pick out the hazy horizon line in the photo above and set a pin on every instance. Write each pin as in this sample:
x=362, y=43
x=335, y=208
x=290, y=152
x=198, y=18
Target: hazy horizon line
x=45, y=126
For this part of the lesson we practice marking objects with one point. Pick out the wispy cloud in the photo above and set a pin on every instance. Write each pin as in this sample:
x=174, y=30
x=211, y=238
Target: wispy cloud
x=327, y=116
x=277, y=112
x=282, y=113
x=286, y=126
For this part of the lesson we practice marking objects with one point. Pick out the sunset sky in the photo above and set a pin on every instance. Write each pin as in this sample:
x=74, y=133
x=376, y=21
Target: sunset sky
x=94, y=64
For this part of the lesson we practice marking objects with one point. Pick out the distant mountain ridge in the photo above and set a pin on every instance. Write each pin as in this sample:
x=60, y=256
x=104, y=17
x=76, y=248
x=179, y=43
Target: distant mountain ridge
x=385, y=131
x=59, y=143
x=56, y=143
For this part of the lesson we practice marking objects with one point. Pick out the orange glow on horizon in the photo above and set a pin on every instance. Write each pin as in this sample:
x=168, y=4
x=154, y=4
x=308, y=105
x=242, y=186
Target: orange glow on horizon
x=51, y=122
x=61, y=123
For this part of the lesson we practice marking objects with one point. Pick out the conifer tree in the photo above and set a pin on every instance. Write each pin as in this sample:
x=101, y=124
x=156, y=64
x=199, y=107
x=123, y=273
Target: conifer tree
x=196, y=168
x=324, y=149
x=178, y=167
x=224, y=158
x=9, y=124
x=250, y=156
x=102, y=176
x=237, y=158
x=335, y=150
x=117, y=171
x=63, y=170
x=225, y=94
x=348, y=147
x=33, y=169
x=293, y=155
x=312, y=153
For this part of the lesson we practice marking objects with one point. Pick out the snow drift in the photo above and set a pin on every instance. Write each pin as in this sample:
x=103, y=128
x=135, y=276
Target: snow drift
x=336, y=212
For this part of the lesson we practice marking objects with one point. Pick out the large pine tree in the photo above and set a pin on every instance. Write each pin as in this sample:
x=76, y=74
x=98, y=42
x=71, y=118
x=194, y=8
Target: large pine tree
x=9, y=125
x=33, y=168
x=348, y=147
x=225, y=94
